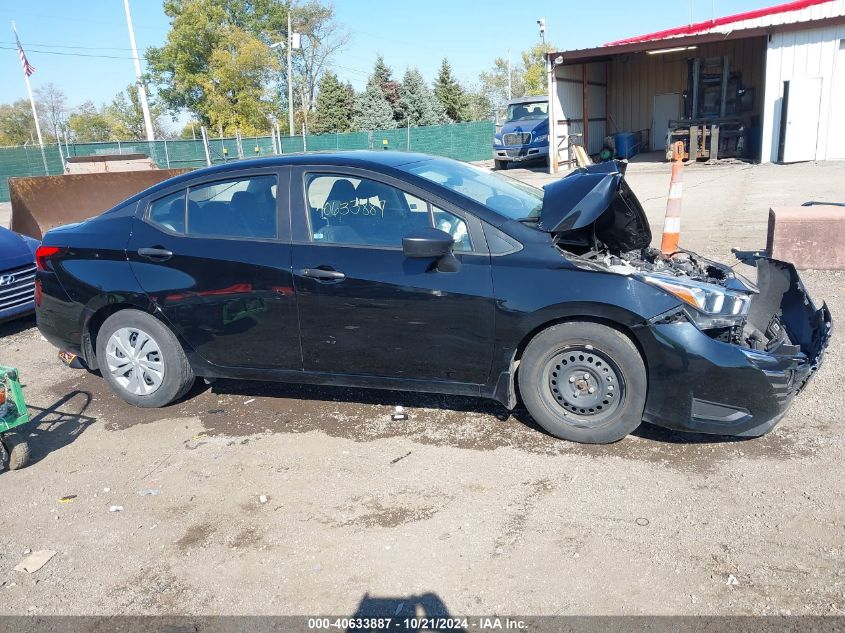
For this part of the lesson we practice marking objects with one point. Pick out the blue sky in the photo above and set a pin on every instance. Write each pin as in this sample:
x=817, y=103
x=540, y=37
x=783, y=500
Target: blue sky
x=89, y=47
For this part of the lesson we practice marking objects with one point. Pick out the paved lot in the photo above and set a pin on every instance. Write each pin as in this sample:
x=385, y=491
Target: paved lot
x=462, y=507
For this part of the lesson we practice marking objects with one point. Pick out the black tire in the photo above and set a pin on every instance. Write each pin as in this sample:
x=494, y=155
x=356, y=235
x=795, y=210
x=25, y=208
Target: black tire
x=177, y=374
x=500, y=165
x=18, y=449
x=565, y=361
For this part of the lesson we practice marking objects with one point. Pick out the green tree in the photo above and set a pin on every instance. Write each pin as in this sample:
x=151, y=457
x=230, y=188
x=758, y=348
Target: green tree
x=534, y=63
x=321, y=38
x=87, y=124
x=236, y=94
x=450, y=93
x=419, y=105
x=217, y=64
x=479, y=107
x=127, y=116
x=335, y=102
x=16, y=124
x=51, y=103
x=390, y=88
x=372, y=110
x=494, y=83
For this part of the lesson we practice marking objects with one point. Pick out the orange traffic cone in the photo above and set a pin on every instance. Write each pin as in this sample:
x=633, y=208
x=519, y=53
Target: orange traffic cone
x=672, y=222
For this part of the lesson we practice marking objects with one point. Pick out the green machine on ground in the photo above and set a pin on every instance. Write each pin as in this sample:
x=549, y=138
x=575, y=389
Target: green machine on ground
x=14, y=450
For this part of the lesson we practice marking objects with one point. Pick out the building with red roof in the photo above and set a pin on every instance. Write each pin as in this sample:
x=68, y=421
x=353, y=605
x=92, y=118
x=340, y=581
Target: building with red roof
x=771, y=80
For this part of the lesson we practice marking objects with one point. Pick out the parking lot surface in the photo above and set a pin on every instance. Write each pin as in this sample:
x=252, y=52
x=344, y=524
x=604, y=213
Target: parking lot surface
x=276, y=499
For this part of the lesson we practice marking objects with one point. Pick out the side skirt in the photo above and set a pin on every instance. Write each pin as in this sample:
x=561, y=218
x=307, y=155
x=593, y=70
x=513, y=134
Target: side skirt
x=205, y=370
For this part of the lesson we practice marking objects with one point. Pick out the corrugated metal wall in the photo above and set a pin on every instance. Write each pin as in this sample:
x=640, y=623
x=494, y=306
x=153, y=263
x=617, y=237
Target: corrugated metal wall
x=806, y=54
x=568, y=106
x=635, y=79
x=632, y=81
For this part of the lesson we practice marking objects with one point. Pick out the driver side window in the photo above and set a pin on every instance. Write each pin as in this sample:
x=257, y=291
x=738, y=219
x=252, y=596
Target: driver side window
x=358, y=211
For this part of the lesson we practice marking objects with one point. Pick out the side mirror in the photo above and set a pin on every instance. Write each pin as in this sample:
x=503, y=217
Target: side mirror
x=427, y=242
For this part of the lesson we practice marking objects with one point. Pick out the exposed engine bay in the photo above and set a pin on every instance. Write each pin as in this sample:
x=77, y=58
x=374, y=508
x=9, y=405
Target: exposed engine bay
x=599, y=224
x=724, y=304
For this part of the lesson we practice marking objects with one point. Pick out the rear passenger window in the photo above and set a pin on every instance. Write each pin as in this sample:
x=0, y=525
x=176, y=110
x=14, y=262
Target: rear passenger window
x=169, y=212
x=245, y=207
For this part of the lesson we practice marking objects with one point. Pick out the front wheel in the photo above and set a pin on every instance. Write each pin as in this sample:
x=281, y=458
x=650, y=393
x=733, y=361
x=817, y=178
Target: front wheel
x=499, y=165
x=142, y=360
x=583, y=382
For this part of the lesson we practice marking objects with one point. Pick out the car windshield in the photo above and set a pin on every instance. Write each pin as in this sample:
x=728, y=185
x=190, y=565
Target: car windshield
x=524, y=111
x=505, y=196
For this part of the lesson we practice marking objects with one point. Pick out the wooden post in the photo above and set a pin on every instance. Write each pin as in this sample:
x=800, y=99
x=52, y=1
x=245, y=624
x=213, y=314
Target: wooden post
x=585, y=105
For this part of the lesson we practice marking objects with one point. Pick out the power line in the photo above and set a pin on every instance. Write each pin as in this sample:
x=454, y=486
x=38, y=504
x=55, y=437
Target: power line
x=43, y=52
x=61, y=18
x=91, y=48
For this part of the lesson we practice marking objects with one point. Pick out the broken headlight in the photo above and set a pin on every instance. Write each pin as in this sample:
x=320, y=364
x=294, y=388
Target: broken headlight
x=707, y=306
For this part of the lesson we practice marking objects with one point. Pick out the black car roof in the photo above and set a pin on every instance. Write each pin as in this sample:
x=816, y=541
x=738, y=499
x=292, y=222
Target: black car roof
x=358, y=158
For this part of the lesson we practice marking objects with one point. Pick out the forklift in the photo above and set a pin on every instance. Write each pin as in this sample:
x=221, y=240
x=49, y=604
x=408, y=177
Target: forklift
x=713, y=126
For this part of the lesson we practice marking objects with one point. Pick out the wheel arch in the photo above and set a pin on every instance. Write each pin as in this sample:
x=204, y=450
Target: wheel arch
x=627, y=330
x=96, y=319
x=506, y=388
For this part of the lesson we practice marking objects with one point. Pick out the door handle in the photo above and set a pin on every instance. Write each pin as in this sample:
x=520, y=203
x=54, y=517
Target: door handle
x=321, y=274
x=156, y=254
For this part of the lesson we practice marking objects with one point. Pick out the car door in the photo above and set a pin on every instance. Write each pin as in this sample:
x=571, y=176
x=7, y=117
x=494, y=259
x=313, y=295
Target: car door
x=214, y=257
x=364, y=308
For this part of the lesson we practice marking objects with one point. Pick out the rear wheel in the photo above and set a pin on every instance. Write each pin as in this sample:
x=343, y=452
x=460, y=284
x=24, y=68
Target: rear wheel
x=142, y=360
x=583, y=382
x=500, y=164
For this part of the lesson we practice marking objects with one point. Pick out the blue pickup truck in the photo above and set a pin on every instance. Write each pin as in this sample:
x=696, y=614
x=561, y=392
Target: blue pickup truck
x=525, y=133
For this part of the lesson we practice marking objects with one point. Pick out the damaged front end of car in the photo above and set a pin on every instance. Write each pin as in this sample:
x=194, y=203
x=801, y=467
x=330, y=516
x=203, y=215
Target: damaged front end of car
x=733, y=353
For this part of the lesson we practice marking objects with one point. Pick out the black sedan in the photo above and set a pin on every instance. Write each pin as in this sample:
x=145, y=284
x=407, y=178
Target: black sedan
x=406, y=271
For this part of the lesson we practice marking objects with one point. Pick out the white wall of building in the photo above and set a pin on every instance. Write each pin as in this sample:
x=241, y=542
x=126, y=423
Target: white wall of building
x=807, y=54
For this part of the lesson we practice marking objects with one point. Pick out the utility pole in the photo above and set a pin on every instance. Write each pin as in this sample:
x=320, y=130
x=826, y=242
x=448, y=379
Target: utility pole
x=510, y=87
x=293, y=41
x=142, y=91
x=290, y=78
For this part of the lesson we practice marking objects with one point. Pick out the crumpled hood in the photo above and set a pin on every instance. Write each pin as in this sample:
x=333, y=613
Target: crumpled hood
x=595, y=202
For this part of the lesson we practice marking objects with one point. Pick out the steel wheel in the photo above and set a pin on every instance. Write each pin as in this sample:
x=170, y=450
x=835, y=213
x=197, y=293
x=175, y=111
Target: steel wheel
x=585, y=383
x=134, y=360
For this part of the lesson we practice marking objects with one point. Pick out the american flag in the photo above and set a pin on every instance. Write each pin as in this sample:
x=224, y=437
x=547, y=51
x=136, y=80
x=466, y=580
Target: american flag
x=28, y=68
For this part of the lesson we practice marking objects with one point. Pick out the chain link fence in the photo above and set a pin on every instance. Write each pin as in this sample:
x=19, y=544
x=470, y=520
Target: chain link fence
x=462, y=141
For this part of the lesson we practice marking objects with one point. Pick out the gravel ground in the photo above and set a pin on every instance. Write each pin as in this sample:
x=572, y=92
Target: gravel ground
x=463, y=508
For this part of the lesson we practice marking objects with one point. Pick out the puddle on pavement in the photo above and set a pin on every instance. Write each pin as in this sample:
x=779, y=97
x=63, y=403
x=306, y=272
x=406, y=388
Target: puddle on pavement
x=246, y=408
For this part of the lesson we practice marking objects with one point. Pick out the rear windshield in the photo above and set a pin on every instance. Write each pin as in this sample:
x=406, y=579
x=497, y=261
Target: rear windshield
x=505, y=196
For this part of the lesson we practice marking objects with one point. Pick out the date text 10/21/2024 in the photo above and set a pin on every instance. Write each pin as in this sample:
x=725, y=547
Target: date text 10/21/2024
x=417, y=624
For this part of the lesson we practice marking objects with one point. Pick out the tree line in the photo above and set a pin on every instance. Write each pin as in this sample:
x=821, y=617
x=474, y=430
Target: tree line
x=219, y=65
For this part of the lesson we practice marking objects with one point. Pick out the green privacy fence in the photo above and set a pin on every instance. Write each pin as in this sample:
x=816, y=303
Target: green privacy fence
x=462, y=141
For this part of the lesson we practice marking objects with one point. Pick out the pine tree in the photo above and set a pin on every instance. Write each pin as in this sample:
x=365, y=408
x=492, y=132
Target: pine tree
x=390, y=88
x=372, y=111
x=335, y=102
x=419, y=105
x=449, y=92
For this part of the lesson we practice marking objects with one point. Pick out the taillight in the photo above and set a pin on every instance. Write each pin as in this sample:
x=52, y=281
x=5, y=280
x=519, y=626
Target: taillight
x=43, y=253
x=2, y=395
